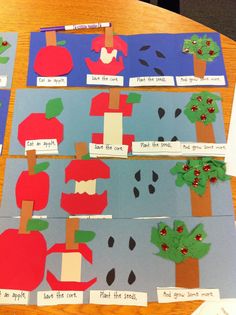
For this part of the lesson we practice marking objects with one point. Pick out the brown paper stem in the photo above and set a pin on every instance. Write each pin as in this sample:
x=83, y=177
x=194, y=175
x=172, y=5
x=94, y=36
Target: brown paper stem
x=205, y=133
x=201, y=205
x=51, y=38
x=187, y=273
x=31, y=159
x=81, y=149
x=25, y=215
x=114, y=98
x=199, y=67
x=109, y=36
x=72, y=225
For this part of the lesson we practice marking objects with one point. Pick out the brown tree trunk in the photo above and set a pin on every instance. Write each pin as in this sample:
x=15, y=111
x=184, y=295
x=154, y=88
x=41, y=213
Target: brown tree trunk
x=187, y=274
x=201, y=205
x=199, y=67
x=205, y=133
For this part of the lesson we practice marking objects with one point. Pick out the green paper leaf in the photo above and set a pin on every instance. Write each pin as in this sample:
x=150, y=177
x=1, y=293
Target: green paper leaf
x=86, y=157
x=4, y=60
x=37, y=225
x=179, y=180
x=199, y=250
x=133, y=98
x=40, y=167
x=84, y=236
x=61, y=43
x=54, y=108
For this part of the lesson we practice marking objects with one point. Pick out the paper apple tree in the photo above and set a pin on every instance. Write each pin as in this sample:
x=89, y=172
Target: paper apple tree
x=4, y=45
x=21, y=268
x=197, y=174
x=86, y=201
x=202, y=110
x=204, y=49
x=114, y=107
x=184, y=248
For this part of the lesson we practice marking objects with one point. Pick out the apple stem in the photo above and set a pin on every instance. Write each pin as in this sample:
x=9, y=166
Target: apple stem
x=72, y=225
x=25, y=215
x=114, y=98
x=31, y=159
x=81, y=149
x=109, y=37
x=51, y=38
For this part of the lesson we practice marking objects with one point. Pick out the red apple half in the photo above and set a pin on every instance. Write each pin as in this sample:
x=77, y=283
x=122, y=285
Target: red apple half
x=23, y=258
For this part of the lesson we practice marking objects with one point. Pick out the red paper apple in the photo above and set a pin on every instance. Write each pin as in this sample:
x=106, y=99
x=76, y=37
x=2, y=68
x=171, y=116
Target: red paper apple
x=113, y=67
x=53, y=61
x=22, y=260
x=84, y=170
x=43, y=125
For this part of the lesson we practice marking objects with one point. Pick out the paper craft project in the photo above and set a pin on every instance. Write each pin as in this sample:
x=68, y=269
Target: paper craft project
x=4, y=102
x=126, y=60
x=7, y=57
x=115, y=117
x=138, y=260
x=121, y=189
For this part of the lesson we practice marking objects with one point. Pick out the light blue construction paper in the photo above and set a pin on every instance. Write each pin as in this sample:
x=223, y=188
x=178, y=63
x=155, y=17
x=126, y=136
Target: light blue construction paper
x=216, y=269
x=7, y=69
x=144, y=123
x=168, y=199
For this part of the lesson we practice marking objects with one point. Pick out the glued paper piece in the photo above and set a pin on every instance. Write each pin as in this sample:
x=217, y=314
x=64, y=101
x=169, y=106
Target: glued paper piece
x=113, y=128
x=51, y=81
x=168, y=295
x=47, y=298
x=86, y=186
x=108, y=150
x=218, y=80
x=42, y=146
x=156, y=148
x=51, y=38
x=71, y=267
x=100, y=79
x=203, y=149
x=3, y=80
x=221, y=307
x=109, y=297
x=152, y=81
x=16, y=297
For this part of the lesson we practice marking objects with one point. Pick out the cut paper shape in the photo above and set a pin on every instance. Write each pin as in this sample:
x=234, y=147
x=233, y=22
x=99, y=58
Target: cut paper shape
x=111, y=44
x=53, y=60
x=113, y=128
x=4, y=45
x=136, y=192
x=145, y=47
x=151, y=189
x=132, y=243
x=161, y=112
x=25, y=215
x=131, y=278
x=178, y=111
x=38, y=126
x=144, y=62
x=114, y=98
x=20, y=268
x=182, y=247
x=110, y=278
x=137, y=175
x=84, y=236
x=111, y=241
x=36, y=225
x=204, y=50
x=159, y=54
x=71, y=267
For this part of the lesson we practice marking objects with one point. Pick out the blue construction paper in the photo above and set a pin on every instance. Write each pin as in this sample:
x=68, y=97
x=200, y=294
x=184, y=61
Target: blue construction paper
x=79, y=125
x=167, y=200
x=174, y=64
x=7, y=69
x=4, y=103
x=216, y=269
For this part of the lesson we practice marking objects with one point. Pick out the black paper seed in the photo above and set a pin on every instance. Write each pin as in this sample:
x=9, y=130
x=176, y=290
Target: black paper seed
x=131, y=277
x=154, y=176
x=161, y=139
x=136, y=192
x=158, y=71
x=110, y=278
x=146, y=47
x=132, y=243
x=143, y=62
x=151, y=189
x=137, y=175
x=159, y=54
x=111, y=241
x=174, y=138
x=178, y=112
x=161, y=112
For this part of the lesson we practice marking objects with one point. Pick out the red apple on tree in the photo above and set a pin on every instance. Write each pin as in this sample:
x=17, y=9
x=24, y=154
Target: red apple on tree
x=43, y=125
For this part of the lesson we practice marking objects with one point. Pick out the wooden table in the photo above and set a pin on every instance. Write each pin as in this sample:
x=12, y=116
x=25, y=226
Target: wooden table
x=128, y=17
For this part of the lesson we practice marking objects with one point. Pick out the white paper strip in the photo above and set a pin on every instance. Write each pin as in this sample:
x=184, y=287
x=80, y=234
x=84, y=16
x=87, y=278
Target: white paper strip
x=0, y=149
x=14, y=297
x=207, y=80
x=230, y=157
x=108, y=150
x=221, y=307
x=107, y=297
x=3, y=80
x=42, y=146
x=51, y=81
x=168, y=295
x=100, y=79
x=95, y=216
x=203, y=149
x=152, y=81
x=59, y=297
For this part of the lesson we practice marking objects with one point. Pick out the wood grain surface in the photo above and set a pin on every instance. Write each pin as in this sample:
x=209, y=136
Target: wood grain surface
x=128, y=17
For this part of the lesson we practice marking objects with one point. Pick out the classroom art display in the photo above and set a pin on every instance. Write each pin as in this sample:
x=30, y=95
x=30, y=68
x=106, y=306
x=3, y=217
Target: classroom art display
x=189, y=59
x=4, y=103
x=8, y=43
x=51, y=121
